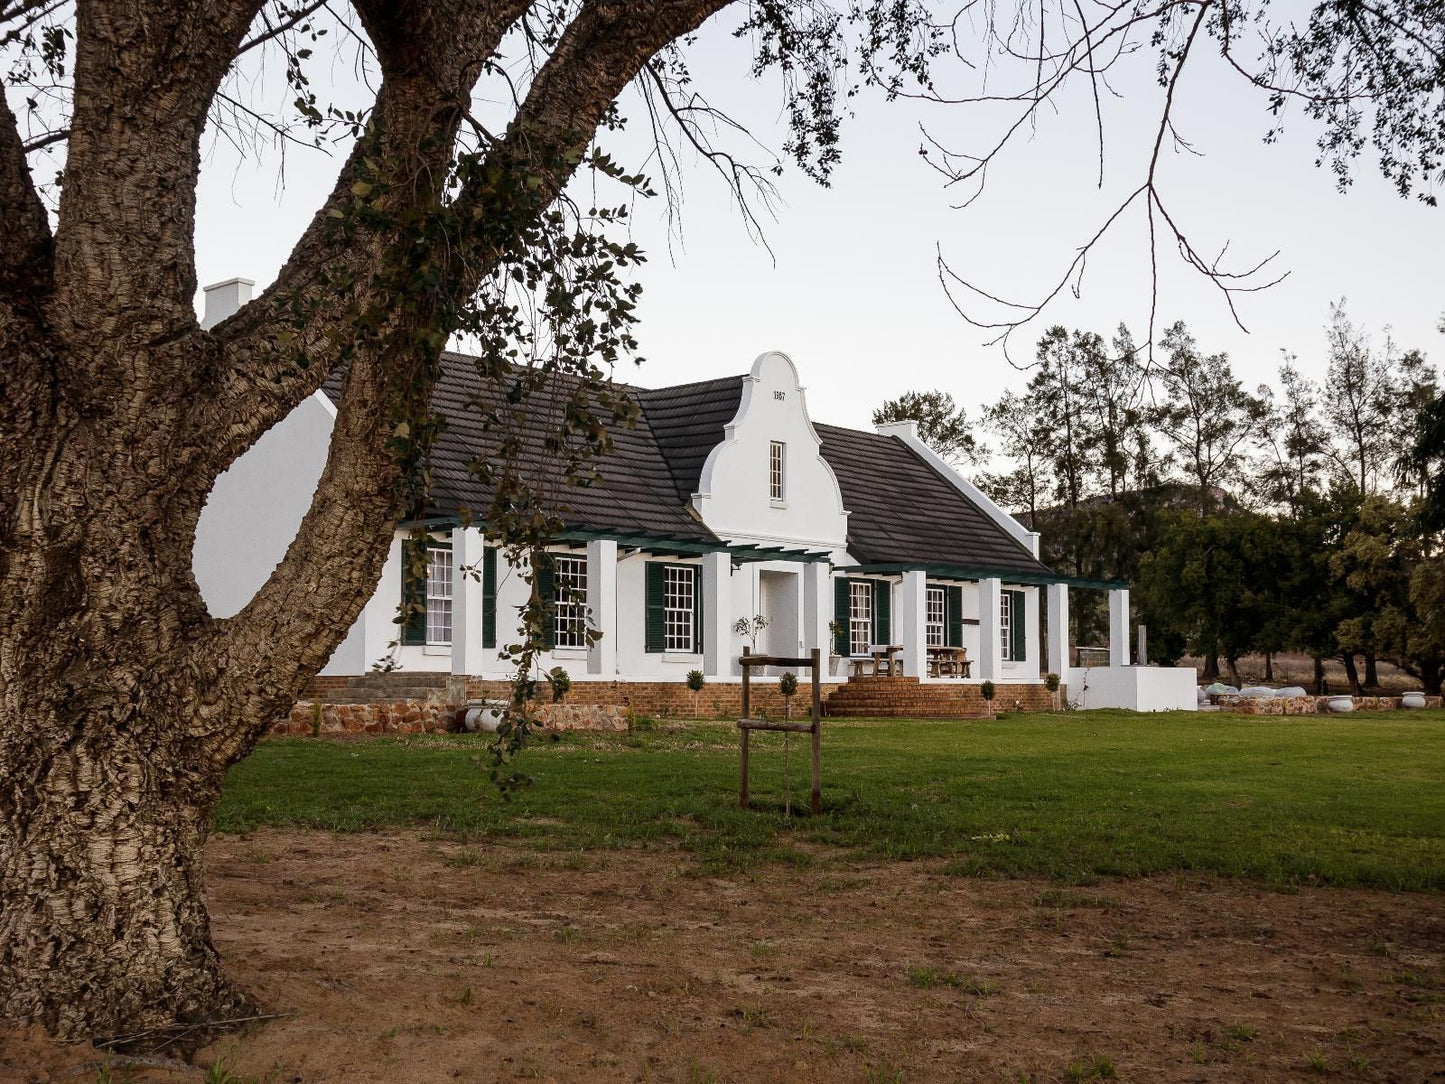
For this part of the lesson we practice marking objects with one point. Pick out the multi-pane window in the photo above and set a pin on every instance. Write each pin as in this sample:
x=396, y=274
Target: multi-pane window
x=776, y=451
x=439, y=595
x=1006, y=625
x=934, y=626
x=679, y=607
x=569, y=620
x=860, y=617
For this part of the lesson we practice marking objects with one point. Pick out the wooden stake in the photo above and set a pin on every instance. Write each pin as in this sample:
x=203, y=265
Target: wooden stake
x=817, y=735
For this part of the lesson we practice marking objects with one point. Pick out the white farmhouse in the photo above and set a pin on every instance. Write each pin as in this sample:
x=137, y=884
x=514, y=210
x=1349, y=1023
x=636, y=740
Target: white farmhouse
x=724, y=501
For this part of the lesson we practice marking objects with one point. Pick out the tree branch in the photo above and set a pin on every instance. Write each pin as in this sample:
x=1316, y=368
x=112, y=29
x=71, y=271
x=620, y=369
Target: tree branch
x=25, y=257
x=293, y=623
x=125, y=254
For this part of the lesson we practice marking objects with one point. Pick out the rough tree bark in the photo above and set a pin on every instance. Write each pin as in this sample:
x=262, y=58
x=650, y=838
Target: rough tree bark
x=122, y=702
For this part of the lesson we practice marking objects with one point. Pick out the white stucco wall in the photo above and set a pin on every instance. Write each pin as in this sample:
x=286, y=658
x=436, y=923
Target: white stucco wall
x=254, y=509
x=253, y=512
x=1134, y=688
x=733, y=495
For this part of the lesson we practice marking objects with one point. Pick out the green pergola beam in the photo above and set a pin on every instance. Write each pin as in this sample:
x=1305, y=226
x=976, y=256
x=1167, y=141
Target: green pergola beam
x=962, y=572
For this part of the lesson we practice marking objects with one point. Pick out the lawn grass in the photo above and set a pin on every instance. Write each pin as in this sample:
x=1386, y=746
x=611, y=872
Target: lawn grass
x=1354, y=800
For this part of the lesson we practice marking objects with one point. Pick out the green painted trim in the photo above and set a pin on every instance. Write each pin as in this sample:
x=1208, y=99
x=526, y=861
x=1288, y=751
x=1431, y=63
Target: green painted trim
x=960, y=572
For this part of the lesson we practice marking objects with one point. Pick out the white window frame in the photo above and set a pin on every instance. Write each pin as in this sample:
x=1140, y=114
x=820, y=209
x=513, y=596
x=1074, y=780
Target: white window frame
x=1005, y=626
x=935, y=625
x=860, y=617
x=777, y=470
x=679, y=604
x=569, y=587
x=438, y=596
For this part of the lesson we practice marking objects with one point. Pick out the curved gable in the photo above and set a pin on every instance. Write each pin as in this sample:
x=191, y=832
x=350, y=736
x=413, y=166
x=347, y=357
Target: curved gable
x=733, y=496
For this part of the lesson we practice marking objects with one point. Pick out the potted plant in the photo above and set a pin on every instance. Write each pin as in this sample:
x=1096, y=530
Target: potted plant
x=695, y=682
x=1051, y=683
x=836, y=629
x=750, y=627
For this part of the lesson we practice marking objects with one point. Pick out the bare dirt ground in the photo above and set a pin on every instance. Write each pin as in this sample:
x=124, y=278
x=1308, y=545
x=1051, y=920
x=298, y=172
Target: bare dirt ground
x=401, y=958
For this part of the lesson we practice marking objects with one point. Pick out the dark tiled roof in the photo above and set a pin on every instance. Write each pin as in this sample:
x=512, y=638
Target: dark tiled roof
x=902, y=511
x=687, y=421
x=635, y=492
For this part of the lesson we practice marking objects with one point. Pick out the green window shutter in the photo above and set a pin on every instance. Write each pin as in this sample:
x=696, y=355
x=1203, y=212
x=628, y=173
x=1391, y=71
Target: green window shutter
x=489, y=597
x=840, y=614
x=656, y=617
x=547, y=592
x=1018, y=634
x=953, y=616
x=413, y=596
x=697, y=610
x=882, y=612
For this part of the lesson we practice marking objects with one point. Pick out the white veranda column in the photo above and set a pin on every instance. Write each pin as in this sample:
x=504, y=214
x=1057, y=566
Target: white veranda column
x=467, y=545
x=1119, y=626
x=990, y=639
x=717, y=615
x=817, y=608
x=912, y=623
x=1058, y=647
x=602, y=605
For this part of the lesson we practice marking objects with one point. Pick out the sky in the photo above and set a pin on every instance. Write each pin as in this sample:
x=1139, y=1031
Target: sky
x=848, y=283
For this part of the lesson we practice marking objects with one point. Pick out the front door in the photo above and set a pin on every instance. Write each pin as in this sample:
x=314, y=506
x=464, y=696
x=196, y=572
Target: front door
x=779, y=599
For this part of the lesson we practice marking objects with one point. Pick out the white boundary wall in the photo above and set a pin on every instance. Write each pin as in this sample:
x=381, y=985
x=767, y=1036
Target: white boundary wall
x=1135, y=688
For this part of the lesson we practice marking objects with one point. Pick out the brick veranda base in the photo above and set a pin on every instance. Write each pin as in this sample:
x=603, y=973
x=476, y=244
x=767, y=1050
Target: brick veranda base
x=413, y=703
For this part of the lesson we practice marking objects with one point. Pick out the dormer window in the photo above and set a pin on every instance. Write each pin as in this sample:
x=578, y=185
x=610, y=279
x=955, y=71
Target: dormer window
x=776, y=452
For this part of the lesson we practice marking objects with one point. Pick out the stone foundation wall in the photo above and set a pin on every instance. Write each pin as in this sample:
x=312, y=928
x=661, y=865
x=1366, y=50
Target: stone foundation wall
x=666, y=699
x=316, y=717
x=1309, y=705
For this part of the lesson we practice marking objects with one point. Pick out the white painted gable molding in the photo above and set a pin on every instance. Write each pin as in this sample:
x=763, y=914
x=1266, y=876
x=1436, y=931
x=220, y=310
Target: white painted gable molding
x=733, y=497
x=907, y=431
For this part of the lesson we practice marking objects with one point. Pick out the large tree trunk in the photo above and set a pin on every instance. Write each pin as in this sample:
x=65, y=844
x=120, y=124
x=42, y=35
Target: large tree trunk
x=1233, y=671
x=1268, y=666
x=1321, y=686
x=122, y=702
x=1352, y=673
x=1211, y=666
x=1372, y=674
x=105, y=929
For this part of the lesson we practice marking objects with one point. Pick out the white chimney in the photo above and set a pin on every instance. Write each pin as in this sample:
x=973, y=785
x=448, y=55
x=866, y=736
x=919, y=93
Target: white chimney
x=223, y=299
x=907, y=429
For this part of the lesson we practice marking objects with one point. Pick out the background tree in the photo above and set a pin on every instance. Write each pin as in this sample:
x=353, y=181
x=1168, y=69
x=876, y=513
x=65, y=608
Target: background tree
x=1292, y=438
x=942, y=424
x=1361, y=395
x=1056, y=394
x=1019, y=429
x=1112, y=412
x=1206, y=416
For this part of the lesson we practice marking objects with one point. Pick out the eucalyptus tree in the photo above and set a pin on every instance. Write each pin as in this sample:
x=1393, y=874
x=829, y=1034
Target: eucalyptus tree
x=1361, y=396
x=1207, y=415
x=1292, y=438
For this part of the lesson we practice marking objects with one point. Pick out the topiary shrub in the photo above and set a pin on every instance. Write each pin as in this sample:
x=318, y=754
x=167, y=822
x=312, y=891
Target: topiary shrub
x=696, y=679
x=987, y=691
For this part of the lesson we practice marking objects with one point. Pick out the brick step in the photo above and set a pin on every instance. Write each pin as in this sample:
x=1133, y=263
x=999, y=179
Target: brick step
x=398, y=697
x=899, y=700
x=401, y=677
x=868, y=713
